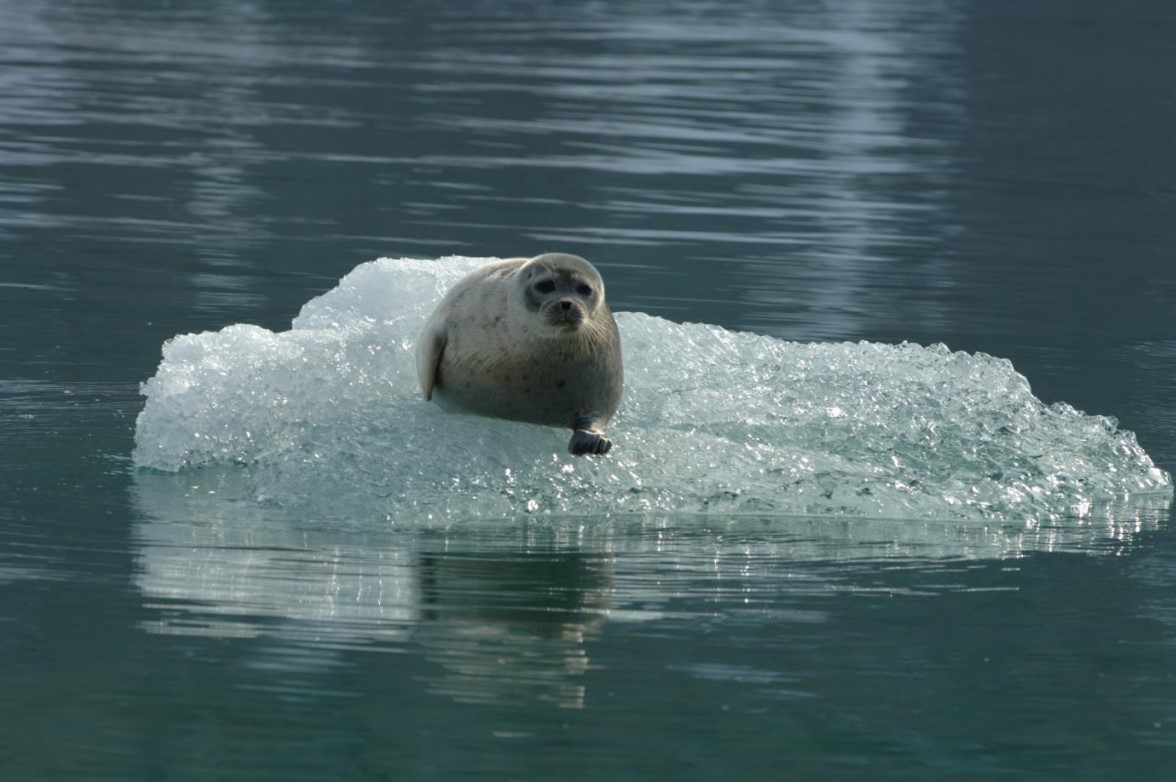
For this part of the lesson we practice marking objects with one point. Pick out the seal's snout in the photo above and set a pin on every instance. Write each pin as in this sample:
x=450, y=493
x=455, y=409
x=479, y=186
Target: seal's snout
x=564, y=313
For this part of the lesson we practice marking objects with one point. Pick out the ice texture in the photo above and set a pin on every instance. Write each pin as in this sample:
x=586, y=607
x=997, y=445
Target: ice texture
x=328, y=418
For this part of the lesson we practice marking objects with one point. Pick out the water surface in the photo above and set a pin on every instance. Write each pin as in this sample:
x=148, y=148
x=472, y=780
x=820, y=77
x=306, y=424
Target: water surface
x=983, y=175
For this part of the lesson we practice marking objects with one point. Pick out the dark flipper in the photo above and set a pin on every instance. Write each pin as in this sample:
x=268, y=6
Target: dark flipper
x=585, y=442
x=586, y=438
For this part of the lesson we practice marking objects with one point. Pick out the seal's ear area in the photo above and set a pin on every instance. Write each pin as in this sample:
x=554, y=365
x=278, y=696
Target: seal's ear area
x=430, y=346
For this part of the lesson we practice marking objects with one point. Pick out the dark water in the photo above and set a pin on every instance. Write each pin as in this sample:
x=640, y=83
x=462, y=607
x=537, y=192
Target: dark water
x=984, y=174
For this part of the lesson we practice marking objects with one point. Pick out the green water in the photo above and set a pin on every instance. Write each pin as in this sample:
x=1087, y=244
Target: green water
x=982, y=174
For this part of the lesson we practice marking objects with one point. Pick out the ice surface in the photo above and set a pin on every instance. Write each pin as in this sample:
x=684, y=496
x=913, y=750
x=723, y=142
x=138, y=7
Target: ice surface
x=328, y=418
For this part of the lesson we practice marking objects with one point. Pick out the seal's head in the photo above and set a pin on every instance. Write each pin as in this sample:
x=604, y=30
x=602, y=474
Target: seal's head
x=565, y=291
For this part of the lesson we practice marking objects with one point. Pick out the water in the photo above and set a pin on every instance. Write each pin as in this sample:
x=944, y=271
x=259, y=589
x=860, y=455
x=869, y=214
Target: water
x=982, y=175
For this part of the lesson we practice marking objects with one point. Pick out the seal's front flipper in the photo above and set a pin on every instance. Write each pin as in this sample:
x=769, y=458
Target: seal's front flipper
x=586, y=438
x=585, y=442
x=430, y=345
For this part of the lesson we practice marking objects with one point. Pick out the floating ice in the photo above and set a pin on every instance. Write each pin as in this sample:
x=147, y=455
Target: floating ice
x=327, y=417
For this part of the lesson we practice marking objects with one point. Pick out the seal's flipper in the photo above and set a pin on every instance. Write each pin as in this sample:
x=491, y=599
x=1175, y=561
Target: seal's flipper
x=429, y=350
x=584, y=442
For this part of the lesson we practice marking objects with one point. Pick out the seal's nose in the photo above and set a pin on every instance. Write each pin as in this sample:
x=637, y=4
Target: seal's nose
x=565, y=304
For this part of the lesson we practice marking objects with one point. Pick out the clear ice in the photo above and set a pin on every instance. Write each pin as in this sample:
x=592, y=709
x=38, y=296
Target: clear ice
x=328, y=418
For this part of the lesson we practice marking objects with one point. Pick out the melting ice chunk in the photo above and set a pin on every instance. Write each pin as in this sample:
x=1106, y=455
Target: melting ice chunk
x=328, y=417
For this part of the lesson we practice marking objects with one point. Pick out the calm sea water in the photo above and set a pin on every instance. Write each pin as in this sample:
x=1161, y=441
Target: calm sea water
x=984, y=174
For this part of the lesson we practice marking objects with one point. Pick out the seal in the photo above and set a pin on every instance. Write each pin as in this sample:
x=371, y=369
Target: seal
x=527, y=339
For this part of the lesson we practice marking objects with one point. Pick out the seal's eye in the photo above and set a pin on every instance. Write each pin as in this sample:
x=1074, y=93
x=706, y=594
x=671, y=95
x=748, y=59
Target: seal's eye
x=584, y=290
x=545, y=286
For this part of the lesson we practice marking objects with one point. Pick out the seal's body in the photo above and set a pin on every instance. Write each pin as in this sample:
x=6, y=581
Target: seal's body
x=528, y=340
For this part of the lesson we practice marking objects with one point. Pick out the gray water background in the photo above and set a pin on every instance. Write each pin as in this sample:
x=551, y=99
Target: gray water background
x=990, y=175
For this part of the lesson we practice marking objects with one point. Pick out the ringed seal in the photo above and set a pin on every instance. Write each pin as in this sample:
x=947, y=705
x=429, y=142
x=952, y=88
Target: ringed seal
x=527, y=339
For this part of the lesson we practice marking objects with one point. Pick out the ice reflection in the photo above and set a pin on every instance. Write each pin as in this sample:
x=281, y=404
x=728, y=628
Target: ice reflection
x=510, y=610
x=510, y=621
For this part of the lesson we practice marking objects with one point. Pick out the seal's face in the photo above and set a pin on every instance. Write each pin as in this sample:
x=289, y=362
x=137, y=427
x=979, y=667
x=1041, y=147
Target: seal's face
x=565, y=291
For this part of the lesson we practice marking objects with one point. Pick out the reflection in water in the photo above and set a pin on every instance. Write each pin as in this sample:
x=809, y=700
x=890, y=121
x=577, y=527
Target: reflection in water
x=149, y=127
x=795, y=176
x=508, y=610
x=248, y=584
x=224, y=191
x=987, y=174
x=505, y=625
x=869, y=215
x=775, y=167
x=498, y=624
